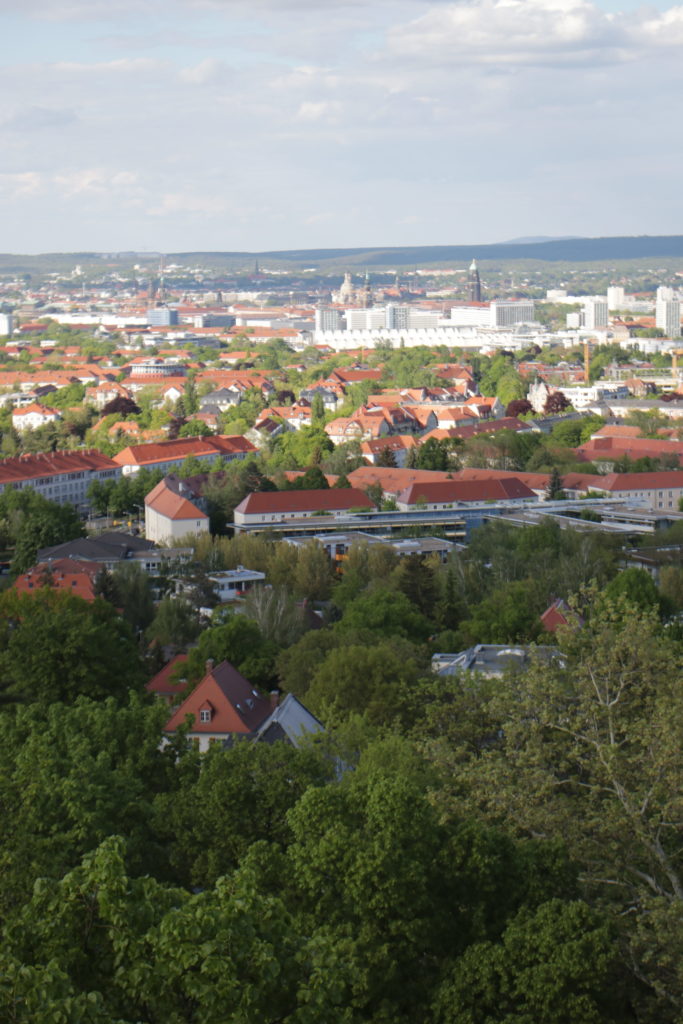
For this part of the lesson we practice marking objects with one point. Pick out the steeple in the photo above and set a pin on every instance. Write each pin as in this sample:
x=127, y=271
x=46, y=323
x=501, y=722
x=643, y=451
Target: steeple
x=474, y=283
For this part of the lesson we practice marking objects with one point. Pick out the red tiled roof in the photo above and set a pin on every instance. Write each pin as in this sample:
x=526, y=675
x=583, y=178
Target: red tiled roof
x=161, y=683
x=61, y=574
x=466, y=490
x=327, y=500
x=26, y=467
x=393, y=480
x=166, y=451
x=236, y=705
x=167, y=502
x=640, y=481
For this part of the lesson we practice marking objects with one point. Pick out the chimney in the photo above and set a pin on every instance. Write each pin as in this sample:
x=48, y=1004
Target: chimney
x=209, y=665
x=274, y=699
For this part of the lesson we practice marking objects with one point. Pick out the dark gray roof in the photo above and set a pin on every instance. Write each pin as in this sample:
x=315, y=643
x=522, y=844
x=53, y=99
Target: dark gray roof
x=290, y=721
x=108, y=547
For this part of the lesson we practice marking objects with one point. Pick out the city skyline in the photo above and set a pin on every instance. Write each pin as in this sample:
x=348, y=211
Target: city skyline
x=201, y=125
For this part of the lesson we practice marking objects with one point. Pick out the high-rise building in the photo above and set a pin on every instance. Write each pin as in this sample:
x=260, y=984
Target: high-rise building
x=595, y=313
x=162, y=316
x=616, y=297
x=668, y=314
x=474, y=283
x=328, y=319
x=506, y=312
x=6, y=325
x=395, y=317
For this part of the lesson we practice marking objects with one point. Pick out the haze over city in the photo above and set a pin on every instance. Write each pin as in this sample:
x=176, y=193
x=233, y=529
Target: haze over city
x=190, y=125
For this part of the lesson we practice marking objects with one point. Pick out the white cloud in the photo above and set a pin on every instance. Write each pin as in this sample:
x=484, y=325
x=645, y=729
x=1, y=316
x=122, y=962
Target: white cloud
x=511, y=32
x=432, y=121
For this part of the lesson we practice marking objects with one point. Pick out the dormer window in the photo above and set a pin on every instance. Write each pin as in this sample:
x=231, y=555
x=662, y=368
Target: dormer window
x=205, y=715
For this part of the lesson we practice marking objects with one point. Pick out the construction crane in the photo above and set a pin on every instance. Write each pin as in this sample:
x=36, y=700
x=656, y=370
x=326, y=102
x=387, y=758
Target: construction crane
x=675, y=353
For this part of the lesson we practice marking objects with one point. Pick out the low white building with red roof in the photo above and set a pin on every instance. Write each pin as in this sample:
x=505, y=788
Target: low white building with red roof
x=661, y=490
x=61, y=476
x=168, y=455
x=279, y=507
x=32, y=416
x=170, y=514
x=450, y=493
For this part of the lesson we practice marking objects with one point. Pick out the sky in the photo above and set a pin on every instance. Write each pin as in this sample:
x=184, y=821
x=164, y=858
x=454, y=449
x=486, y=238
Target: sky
x=185, y=125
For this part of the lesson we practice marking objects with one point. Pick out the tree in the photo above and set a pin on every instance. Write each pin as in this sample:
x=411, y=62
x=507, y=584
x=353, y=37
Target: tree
x=595, y=747
x=175, y=623
x=55, y=646
x=32, y=522
x=635, y=586
x=557, y=964
x=417, y=580
x=234, y=798
x=386, y=458
x=317, y=409
x=312, y=480
x=313, y=575
x=101, y=946
x=509, y=615
x=519, y=407
x=122, y=406
x=277, y=615
x=432, y=454
x=366, y=680
x=133, y=595
x=554, y=490
x=73, y=773
x=556, y=404
x=239, y=641
x=195, y=428
x=387, y=612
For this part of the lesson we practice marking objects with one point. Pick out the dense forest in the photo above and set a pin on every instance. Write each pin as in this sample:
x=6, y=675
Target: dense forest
x=453, y=849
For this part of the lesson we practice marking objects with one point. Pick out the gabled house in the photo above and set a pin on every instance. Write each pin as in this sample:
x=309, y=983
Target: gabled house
x=170, y=513
x=164, y=687
x=33, y=416
x=225, y=707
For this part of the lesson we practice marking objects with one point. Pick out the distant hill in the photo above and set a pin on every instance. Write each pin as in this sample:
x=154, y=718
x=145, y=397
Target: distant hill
x=538, y=238
x=570, y=250
x=575, y=250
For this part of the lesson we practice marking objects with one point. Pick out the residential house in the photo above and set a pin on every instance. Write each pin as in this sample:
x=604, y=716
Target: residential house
x=60, y=574
x=398, y=444
x=109, y=550
x=164, y=686
x=32, y=416
x=224, y=707
x=170, y=514
x=234, y=583
x=493, y=660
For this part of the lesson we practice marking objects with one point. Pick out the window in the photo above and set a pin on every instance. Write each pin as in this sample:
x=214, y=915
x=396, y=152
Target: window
x=205, y=715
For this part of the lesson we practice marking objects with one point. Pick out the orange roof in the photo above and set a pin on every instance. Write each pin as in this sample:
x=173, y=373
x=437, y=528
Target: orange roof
x=62, y=574
x=27, y=467
x=327, y=500
x=161, y=683
x=167, y=451
x=233, y=704
x=166, y=501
